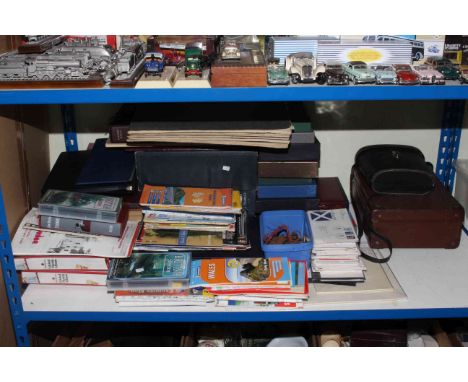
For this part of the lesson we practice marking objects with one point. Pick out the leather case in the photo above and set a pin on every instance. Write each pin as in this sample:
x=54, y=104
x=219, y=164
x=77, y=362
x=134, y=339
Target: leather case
x=235, y=169
x=433, y=220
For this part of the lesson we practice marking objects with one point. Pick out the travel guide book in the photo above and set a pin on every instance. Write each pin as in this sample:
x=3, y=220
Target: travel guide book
x=240, y=272
x=190, y=199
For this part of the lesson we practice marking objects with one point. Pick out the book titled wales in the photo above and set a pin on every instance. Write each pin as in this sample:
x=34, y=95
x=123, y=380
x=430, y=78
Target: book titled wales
x=77, y=205
x=150, y=271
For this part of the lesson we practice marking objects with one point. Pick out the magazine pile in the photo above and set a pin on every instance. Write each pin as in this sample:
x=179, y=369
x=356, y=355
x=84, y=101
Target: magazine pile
x=173, y=278
x=53, y=244
x=189, y=219
x=335, y=256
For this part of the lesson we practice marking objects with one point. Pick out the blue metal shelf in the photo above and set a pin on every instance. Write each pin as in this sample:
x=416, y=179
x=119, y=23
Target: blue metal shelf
x=287, y=93
x=257, y=316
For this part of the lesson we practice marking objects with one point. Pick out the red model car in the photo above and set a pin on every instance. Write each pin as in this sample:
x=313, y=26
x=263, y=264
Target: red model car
x=406, y=75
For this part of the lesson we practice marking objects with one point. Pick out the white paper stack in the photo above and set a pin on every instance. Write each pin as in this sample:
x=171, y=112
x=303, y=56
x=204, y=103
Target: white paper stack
x=335, y=256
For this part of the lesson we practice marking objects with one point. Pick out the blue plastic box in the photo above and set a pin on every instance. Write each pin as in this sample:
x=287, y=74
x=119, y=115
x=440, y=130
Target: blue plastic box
x=296, y=220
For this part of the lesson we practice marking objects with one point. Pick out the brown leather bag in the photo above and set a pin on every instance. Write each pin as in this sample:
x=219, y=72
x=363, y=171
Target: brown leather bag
x=432, y=220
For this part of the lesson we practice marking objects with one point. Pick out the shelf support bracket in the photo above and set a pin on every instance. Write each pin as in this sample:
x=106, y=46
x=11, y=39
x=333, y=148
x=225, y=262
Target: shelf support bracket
x=10, y=278
x=449, y=143
x=69, y=127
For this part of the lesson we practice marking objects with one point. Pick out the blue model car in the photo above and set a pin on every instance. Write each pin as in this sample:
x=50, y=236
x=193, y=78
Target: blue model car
x=154, y=64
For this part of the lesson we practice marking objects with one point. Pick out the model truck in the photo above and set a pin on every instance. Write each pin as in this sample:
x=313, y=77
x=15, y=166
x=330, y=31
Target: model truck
x=193, y=61
x=303, y=67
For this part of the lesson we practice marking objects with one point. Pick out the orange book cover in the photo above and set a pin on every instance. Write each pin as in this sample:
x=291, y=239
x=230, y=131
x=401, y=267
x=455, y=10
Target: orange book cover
x=167, y=196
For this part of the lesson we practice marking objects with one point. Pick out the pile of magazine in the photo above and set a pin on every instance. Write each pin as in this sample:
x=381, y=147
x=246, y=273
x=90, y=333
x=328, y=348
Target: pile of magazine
x=335, y=256
x=172, y=278
x=188, y=219
x=70, y=237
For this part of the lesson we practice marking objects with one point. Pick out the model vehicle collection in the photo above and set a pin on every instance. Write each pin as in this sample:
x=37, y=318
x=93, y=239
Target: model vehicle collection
x=49, y=60
x=444, y=66
x=359, y=72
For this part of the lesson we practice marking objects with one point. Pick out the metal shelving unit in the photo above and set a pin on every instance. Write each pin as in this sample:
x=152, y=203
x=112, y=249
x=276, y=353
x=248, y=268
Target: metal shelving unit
x=434, y=280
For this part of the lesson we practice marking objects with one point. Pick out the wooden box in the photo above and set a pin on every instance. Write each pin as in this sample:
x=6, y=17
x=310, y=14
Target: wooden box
x=249, y=71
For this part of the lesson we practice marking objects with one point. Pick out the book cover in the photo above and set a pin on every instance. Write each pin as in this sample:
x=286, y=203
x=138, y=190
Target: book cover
x=65, y=278
x=167, y=197
x=146, y=270
x=80, y=205
x=331, y=226
x=34, y=263
x=181, y=237
x=85, y=226
x=240, y=271
x=30, y=240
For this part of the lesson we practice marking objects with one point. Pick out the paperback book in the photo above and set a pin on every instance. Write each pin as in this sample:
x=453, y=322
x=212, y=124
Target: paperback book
x=79, y=205
x=95, y=278
x=30, y=240
x=150, y=270
x=35, y=263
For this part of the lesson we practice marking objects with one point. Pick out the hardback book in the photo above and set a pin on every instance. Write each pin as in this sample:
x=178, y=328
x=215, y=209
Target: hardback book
x=150, y=270
x=31, y=240
x=240, y=272
x=191, y=199
x=289, y=169
x=176, y=237
x=107, y=168
x=95, y=278
x=79, y=205
x=85, y=226
x=84, y=263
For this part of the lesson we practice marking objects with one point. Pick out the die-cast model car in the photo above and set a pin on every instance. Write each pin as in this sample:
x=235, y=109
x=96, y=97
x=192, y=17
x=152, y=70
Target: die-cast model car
x=464, y=76
x=277, y=74
x=384, y=74
x=359, y=73
x=406, y=75
x=428, y=75
x=444, y=66
x=336, y=75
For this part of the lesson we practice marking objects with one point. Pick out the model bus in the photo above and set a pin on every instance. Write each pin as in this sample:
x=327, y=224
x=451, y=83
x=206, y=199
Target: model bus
x=417, y=46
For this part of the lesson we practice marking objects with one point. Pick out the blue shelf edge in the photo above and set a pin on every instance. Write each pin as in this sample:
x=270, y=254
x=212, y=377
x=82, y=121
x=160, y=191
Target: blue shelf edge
x=288, y=93
x=259, y=316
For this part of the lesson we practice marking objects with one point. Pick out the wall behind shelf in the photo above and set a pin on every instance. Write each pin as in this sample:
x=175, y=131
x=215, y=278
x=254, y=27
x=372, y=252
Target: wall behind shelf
x=342, y=128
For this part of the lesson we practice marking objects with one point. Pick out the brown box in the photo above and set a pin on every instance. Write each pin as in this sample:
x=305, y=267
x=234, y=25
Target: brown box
x=433, y=220
x=288, y=169
x=249, y=71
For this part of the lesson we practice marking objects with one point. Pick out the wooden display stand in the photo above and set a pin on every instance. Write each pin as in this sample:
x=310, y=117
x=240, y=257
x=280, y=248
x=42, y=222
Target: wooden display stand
x=192, y=81
x=165, y=80
x=249, y=71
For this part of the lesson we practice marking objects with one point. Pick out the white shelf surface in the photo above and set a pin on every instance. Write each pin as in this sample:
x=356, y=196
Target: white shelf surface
x=433, y=280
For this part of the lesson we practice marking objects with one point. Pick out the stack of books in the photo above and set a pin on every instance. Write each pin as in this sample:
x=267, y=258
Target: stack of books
x=251, y=282
x=153, y=279
x=70, y=238
x=335, y=256
x=188, y=218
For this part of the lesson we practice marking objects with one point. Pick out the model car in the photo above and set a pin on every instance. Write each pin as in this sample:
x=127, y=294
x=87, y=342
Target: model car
x=428, y=75
x=433, y=49
x=231, y=51
x=154, y=64
x=277, y=74
x=193, y=62
x=444, y=66
x=464, y=76
x=359, y=73
x=406, y=75
x=303, y=67
x=384, y=74
x=336, y=75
